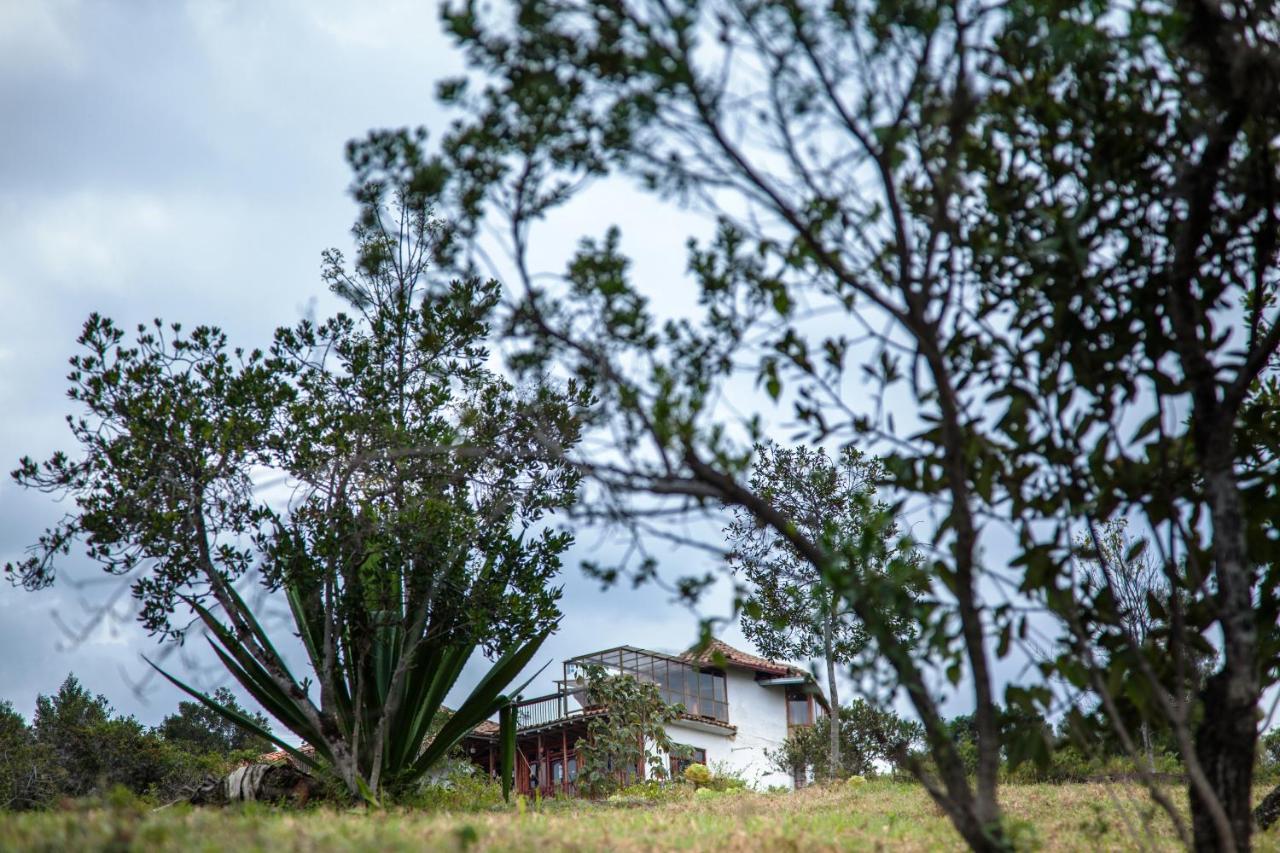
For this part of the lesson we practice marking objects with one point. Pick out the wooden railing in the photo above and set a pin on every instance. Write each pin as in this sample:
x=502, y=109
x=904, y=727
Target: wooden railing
x=543, y=710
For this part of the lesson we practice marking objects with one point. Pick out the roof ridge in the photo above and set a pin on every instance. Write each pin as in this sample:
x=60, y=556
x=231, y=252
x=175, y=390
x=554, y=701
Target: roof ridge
x=703, y=652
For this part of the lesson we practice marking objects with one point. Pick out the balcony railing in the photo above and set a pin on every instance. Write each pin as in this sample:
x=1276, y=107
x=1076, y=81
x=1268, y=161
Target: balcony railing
x=544, y=710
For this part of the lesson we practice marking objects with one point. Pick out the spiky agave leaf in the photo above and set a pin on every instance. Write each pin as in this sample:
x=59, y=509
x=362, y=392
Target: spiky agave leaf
x=239, y=719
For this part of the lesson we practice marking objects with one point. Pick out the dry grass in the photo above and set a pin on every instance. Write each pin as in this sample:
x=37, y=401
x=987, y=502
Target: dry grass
x=875, y=816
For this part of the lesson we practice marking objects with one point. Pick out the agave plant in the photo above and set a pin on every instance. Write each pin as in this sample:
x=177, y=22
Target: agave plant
x=383, y=734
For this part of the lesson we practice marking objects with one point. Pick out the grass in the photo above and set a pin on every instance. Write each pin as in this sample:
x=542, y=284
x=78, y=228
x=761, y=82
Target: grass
x=874, y=816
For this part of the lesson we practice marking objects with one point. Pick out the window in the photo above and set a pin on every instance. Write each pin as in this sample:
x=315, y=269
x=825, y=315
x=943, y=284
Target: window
x=696, y=756
x=702, y=691
x=799, y=708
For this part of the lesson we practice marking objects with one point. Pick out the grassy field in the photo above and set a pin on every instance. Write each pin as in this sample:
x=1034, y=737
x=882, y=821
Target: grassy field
x=875, y=816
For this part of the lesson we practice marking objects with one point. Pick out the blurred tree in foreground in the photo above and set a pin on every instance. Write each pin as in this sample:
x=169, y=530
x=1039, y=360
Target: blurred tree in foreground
x=1044, y=235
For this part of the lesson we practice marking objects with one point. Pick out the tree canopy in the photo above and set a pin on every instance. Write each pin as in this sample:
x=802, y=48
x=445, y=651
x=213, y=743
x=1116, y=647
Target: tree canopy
x=791, y=608
x=1045, y=233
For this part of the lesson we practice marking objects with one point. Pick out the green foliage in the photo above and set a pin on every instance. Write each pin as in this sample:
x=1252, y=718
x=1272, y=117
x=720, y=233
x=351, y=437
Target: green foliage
x=649, y=791
x=28, y=773
x=94, y=750
x=459, y=791
x=77, y=746
x=697, y=774
x=725, y=778
x=795, y=610
x=869, y=737
x=632, y=734
x=198, y=729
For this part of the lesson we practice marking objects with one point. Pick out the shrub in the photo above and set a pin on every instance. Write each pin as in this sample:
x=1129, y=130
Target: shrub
x=650, y=790
x=460, y=791
x=698, y=774
x=868, y=736
x=724, y=778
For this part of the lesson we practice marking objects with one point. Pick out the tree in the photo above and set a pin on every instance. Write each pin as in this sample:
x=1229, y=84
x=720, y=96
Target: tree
x=1046, y=233
x=197, y=728
x=414, y=529
x=869, y=737
x=27, y=773
x=70, y=724
x=82, y=747
x=632, y=734
x=790, y=610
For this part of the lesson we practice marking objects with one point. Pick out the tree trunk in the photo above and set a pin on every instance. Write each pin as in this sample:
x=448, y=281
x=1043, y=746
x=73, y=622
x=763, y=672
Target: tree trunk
x=1226, y=738
x=256, y=782
x=1225, y=744
x=833, y=726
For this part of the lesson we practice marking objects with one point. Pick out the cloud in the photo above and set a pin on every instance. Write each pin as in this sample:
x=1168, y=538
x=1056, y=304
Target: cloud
x=39, y=36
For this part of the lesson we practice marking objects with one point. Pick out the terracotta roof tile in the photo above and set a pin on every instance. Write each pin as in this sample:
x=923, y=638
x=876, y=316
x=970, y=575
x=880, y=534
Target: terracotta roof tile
x=486, y=727
x=737, y=657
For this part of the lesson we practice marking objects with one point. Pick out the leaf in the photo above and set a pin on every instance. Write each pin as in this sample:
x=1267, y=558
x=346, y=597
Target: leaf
x=238, y=719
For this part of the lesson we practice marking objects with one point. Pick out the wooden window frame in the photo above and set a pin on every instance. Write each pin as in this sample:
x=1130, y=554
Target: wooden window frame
x=677, y=765
x=790, y=697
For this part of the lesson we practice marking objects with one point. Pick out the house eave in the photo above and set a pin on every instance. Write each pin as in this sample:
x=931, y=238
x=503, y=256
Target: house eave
x=704, y=724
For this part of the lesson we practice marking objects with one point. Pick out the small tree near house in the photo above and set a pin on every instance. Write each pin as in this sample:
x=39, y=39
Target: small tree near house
x=870, y=738
x=633, y=734
x=792, y=608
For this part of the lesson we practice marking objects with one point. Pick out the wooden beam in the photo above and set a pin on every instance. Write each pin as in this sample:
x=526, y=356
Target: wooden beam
x=564, y=762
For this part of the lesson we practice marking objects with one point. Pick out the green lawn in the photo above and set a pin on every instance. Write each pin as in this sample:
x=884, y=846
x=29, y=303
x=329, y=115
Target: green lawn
x=878, y=815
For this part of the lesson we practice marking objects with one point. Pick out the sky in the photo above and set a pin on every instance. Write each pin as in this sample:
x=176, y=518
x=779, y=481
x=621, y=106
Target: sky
x=184, y=160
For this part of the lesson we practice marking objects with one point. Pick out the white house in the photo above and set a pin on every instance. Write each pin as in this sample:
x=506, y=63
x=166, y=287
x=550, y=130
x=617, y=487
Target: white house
x=736, y=706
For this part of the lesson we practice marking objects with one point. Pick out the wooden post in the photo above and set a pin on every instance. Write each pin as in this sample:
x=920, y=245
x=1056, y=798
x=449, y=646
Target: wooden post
x=491, y=770
x=564, y=761
x=542, y=763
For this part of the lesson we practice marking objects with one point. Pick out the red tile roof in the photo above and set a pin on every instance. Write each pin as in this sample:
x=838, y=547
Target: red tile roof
x=486, y=728
x=737, y=657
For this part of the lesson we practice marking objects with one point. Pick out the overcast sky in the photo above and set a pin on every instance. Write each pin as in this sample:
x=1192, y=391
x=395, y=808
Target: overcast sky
x=184, y=161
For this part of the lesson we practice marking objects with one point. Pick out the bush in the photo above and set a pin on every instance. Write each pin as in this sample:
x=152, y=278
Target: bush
x=460, y=791
x=1068, y=763
x=868, y=736
x=78, y=746
x=650, y=790
x=697, y=774
x=719, y=779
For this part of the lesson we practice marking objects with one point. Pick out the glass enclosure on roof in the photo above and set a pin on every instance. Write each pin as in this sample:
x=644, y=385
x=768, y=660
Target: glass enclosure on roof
x=701, y=691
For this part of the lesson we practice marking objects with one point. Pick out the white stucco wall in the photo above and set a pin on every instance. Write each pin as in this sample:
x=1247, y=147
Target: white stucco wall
x=760, y=716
